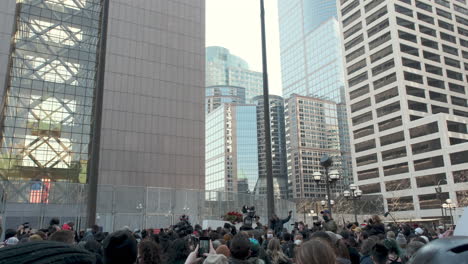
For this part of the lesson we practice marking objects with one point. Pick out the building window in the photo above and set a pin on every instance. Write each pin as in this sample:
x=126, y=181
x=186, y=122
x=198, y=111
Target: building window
x=458, y=101
x=445, y=25
x=357, y=66
x=409, y=50
x=454, y=75
x=392, y=138
x=396, y=169
x=360, y=105
x=417, y=106
x=407, y=36
x=388, y=94
x=450, y=50
x=376, y=15
x=424, y=130
x=431, y=180
x=448, y=37
x=462, y=20
x=428, y=163
x=426, y=146
x=397, y=204
x=383, y=67
x=443, y=13
x=431, y=56
x=435, y=83
x=413, y=77
x=388, y=109
x=359, y=92
x=363, y=132
x=457, y=88
x=351, y=18
x=373, y=4
x=366, y=160
x=427, y=31
x=378, y=28
x=460, y=113
x=457, y=127
x=460, y=176
x=432, y=201
x=403, y=10
x=433, y=69
x=349, y=7
x=370, y=188
x=395, y=153
x=423, y=6
x=355, y=54
x=429, y=43
x=358, y=79
x=402, y=184
x=452, y=62
x=455, y=141
x=411, y=63
x=410, y=90
x=391, y=78
x=462, y=198
x=379, y=41
x=438, y=97
x=439, y=109
x=354, y=42
x=362, y=118
x=459, y=157
x=368, y=174
x=366, y=145
x=425, y=18
x=445, y=3
x=405, y=23
x=390, y=123
x=352, y=30
x=381, y=54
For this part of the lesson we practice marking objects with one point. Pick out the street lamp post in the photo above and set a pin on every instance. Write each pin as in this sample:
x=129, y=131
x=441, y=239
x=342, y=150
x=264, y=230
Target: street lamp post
x=330, y=177
x=438, y=190
x=353, y=194
x=449, y=205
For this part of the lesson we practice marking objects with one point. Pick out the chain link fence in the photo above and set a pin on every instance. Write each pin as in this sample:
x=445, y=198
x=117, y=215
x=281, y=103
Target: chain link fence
x=119, y=206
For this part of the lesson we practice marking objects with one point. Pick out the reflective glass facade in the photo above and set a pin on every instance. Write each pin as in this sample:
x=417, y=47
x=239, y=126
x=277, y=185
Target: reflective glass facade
x=47, y=120
x=278, y=144
x=231, y=148
x=217, y=95
x=223, y=68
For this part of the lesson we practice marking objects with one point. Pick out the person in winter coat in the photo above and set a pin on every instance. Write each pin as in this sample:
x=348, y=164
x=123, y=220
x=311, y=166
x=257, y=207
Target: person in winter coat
x=329, y=224
x=375, y=226
x=276, y=224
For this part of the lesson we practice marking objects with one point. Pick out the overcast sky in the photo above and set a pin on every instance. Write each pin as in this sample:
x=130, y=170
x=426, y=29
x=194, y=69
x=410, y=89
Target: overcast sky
x=235, y=25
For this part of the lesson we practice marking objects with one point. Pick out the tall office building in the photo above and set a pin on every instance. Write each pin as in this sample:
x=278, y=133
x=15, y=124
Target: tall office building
x=217, y=95
x=231, y=149
x=278, y=145
x=136, y=65
x=406, y=71
x=223, y=68
x=311, y=63
x=312, y=130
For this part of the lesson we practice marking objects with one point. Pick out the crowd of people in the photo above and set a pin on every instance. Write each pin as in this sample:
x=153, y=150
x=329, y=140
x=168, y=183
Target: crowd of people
x=325, y=242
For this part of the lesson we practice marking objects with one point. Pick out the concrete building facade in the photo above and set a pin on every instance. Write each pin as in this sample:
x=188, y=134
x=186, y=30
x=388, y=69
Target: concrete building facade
x=406, y=83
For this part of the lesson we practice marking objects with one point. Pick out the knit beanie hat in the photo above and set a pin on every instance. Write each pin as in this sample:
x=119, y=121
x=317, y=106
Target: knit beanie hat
x=120, y=247
x=45, y=252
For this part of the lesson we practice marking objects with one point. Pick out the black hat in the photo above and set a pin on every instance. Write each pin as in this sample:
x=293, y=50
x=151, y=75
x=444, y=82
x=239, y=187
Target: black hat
x=45, y=252
x=120, y=247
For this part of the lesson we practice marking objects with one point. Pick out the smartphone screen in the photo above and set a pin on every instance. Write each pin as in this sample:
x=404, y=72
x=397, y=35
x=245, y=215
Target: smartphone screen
x=204, y=246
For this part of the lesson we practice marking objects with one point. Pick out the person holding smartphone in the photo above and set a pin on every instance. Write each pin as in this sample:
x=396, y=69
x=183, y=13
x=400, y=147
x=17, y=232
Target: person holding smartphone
x=204, y=249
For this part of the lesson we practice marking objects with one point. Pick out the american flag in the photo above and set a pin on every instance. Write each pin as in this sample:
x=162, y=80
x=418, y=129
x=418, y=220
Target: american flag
x=40, y=191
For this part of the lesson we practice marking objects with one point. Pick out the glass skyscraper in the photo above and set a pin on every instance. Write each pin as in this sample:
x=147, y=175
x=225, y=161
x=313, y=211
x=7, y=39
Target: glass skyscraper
x=223, y=68
x=231, y=148
x=311, y=61
x=88, y=87
x=217, y=95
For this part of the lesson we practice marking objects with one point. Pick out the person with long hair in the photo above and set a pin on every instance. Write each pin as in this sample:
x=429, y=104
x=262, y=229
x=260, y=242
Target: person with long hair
x=315, y=251
x=148, y=253
x=274, y=253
